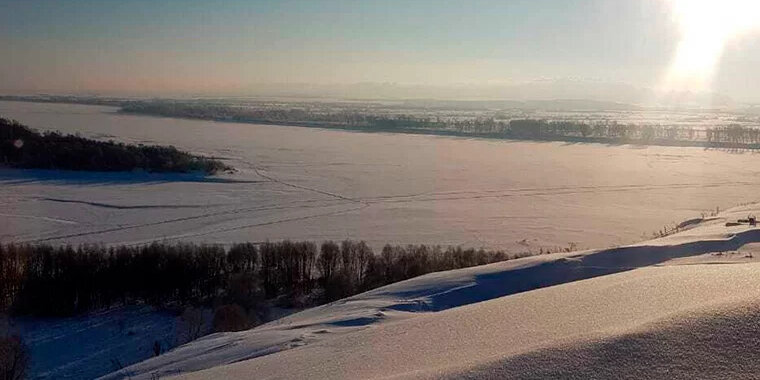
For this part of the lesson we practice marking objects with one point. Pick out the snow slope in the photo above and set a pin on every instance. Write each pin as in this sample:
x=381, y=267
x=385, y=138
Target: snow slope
x=84, y=347
x=507, y=319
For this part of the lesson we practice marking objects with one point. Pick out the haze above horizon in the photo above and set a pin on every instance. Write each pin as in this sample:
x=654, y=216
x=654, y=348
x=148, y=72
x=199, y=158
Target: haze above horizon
x=310, y=47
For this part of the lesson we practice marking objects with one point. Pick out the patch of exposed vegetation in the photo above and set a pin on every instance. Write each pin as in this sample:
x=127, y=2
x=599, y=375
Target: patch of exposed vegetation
x=22, y=147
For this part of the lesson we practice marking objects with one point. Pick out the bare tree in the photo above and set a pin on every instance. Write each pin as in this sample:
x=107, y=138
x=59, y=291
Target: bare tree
x=14, y=358
x=192, y=324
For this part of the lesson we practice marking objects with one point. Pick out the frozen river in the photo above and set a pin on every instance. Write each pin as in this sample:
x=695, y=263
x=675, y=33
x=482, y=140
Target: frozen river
x=316, y=184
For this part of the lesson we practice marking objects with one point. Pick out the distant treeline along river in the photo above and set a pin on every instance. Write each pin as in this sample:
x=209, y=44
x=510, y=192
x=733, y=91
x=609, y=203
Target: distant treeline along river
x=730, y=136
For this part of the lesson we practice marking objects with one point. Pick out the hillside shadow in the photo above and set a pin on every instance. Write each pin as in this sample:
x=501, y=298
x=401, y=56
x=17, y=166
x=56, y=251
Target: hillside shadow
x=11, y=176
x=564, y=270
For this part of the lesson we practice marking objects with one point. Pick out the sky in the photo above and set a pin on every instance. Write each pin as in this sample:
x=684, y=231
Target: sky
x=238, y=46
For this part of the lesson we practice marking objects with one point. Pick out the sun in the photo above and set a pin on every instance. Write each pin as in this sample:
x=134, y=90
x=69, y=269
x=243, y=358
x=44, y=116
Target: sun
x=705, y=28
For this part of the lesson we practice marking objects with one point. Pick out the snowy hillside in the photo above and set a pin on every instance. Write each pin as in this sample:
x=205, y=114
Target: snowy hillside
x=639, y=310
x=83, y=347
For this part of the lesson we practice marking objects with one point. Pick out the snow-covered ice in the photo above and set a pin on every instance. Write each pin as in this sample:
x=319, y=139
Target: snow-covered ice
x=315, y=184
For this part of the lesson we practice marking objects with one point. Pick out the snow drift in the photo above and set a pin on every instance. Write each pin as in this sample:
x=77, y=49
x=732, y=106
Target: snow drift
x=635, y=313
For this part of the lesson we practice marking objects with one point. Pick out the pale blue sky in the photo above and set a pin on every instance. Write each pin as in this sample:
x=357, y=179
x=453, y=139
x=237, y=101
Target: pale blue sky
x=197, y=46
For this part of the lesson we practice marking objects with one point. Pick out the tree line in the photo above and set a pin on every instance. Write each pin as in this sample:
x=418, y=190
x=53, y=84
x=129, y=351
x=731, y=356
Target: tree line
x=730, y=135
x=47, y=280
x=735, y=135
x=23, y=147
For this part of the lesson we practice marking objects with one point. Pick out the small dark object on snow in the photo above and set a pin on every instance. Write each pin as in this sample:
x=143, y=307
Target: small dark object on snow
x=751, y=220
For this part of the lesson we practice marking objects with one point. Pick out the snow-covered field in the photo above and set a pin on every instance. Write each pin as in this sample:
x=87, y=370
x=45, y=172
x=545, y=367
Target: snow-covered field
x=631, y=312
x=304, y=183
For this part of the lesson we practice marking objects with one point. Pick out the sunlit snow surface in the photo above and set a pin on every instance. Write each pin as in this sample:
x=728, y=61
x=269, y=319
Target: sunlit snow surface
x=307, y=183
x=634, y=312
x=303, y=183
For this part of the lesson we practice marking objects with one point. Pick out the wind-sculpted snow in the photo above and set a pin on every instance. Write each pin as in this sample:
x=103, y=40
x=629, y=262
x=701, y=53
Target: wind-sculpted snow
x=464, y=321
x=485, y=338
x=713, y=342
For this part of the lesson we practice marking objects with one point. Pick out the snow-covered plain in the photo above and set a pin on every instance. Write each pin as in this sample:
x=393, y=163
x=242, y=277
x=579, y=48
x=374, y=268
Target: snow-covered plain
x=306, y=183
x=631, y=312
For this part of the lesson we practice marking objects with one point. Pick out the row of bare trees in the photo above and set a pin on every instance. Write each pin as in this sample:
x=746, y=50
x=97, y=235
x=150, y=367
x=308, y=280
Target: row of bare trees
x=734, y=134
x=42, y=279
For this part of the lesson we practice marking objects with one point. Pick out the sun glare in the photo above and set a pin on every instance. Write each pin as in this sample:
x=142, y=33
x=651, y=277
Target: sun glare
x=706, y=26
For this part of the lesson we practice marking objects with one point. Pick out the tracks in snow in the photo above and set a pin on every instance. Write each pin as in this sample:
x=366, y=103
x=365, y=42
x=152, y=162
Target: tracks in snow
x=344, y=200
